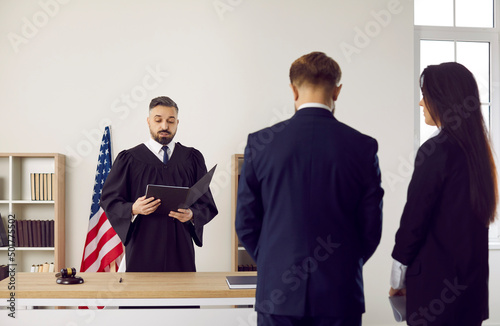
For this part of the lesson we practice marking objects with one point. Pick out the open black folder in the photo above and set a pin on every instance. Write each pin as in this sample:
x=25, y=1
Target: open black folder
x=173, y=198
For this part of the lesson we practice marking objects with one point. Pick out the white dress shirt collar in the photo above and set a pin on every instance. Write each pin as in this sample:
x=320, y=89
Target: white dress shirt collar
x=156, y=148
x=315, y=105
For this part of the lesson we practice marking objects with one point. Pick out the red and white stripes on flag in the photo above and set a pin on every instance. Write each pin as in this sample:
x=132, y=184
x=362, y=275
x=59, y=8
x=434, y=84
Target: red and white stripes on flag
x=103, y=246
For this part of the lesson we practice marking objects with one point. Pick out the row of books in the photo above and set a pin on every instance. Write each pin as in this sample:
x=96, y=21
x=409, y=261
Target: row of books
x=247, y=267
x=34, y=233
x=42, y=268
x=42, y=186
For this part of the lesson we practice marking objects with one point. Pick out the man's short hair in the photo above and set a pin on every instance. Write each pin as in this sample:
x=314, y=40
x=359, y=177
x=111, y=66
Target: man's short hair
x=315, y=68
x=165, y=101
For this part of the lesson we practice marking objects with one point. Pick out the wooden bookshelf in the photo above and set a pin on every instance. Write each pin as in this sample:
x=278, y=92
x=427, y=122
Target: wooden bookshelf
x=239, y=256
x=15, y=198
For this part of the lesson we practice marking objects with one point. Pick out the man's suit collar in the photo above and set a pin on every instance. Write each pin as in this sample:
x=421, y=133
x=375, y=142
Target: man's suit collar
x=314, y=105
x=314, y=111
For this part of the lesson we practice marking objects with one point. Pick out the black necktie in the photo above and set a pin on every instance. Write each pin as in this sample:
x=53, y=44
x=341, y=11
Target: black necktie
x=165, y=154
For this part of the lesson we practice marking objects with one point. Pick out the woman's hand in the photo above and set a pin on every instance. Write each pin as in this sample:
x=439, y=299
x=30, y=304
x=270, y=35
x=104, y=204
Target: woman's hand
x=394, y=292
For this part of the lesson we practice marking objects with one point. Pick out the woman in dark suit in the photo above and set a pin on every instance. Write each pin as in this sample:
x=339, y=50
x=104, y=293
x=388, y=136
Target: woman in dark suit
x=441, y=250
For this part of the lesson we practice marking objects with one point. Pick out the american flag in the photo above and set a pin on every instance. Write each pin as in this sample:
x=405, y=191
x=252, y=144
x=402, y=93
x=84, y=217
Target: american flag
x=103, y=246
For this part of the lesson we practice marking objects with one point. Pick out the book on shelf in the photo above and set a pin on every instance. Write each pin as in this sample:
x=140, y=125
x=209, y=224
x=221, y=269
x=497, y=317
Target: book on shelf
x=40, y=233
x=4, y=272
x=50, y=184
x=4, y=239
x=16, y=233
x=19, y=232
x=33, y=186
x=37, y=186
x=37, y=235
x=30, y=231
x=51, y=233
x=45, y=234
x=24, y=236
x=42, y=186
x=46, y=187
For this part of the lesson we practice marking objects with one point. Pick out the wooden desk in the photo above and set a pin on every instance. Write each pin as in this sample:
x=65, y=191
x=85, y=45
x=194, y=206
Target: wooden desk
x=136, y=289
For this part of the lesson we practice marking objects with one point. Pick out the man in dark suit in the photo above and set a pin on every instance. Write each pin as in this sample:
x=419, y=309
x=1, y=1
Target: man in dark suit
x=309, y=208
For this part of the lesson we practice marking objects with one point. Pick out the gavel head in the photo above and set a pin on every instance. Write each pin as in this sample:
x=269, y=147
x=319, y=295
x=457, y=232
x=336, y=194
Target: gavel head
x=68, y=272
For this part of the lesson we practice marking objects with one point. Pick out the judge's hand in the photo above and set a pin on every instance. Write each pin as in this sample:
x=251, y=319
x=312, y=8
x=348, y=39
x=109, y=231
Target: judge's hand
x=182, y=215
x=145, y=206
x=394, y=292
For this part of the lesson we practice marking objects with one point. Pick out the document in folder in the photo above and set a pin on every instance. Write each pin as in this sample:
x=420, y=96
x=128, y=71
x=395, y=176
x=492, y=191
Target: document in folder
x=173, y=198
x=398, y=304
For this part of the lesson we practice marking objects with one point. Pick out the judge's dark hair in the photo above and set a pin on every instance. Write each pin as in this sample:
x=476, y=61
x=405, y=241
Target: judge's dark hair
x=315, y=68
x=165, y=101
x=451, y=96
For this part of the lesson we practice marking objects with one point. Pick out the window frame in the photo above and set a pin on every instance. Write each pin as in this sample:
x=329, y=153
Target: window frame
x=467, y=34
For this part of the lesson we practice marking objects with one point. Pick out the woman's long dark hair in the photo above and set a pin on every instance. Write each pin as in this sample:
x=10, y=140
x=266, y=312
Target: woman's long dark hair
x=452, y=98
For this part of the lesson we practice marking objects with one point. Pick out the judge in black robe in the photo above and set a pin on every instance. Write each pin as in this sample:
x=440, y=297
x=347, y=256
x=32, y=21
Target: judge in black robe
x=156, y=242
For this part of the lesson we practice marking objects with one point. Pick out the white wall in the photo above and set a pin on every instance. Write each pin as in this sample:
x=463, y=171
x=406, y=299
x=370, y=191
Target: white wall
x=75, y=66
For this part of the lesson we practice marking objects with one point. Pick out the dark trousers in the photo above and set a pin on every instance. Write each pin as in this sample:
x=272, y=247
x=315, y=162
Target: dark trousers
x=278, y=320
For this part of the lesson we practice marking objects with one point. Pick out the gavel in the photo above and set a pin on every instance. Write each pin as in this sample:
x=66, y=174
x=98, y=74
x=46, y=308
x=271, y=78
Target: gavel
x=68, y=276
x=66, y=272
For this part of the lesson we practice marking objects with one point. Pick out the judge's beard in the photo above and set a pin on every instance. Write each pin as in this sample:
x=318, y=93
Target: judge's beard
x=162, y=140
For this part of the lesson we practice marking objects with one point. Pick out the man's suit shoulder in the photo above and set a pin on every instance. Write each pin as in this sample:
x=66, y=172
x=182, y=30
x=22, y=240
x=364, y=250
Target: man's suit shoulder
x=346, y=132
x=354, y=136
x=355, y=133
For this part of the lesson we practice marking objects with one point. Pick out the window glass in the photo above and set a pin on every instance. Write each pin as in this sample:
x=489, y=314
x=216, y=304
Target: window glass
x=436, y=52
x=474, y=13
x=495, y=230
x=476, y=57
x=431, y=53
x=485, y=109
x=434, y=12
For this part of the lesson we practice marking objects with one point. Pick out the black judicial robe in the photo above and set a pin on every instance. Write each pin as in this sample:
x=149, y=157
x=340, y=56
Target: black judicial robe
x=156, y=242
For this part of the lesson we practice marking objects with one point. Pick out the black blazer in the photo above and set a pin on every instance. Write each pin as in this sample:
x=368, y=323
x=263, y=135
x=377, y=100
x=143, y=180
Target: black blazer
x=441, y=241
x=309, y=211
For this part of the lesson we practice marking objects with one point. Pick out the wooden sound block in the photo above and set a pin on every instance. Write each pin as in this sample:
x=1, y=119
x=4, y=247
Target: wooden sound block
x=69, y=280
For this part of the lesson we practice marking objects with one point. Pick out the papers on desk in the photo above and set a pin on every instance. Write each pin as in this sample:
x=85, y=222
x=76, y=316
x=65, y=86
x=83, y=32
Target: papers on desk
x=398, y=304
x=242, y=282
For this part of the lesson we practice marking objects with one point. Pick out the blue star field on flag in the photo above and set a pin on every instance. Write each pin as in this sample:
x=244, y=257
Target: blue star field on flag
x=102, y=171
